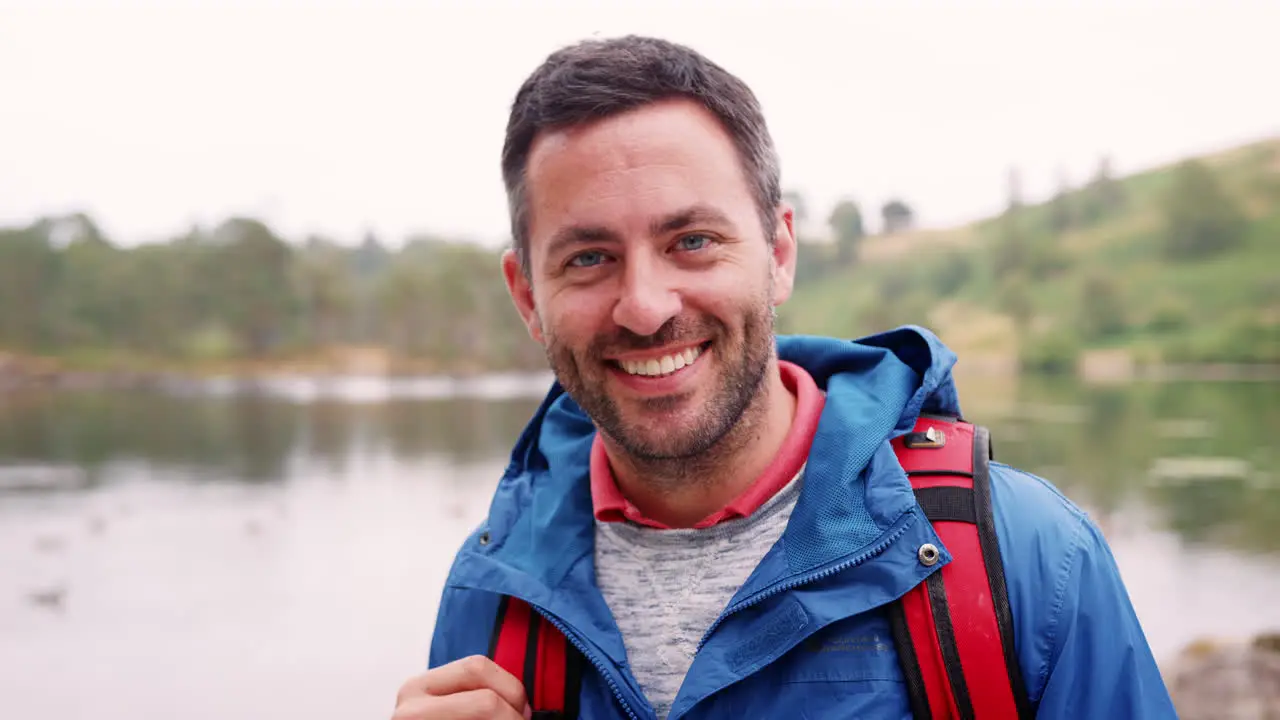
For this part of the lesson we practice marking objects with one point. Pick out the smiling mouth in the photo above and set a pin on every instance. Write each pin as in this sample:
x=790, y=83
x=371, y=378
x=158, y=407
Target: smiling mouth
x=661, y=366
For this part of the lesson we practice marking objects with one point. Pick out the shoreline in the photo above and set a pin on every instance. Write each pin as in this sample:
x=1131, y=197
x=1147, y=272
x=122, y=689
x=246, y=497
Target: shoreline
x=27, y=373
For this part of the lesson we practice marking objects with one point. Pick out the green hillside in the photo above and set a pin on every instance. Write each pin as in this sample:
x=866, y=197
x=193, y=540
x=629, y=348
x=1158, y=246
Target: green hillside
x=1173, y=266
x=1180, y=264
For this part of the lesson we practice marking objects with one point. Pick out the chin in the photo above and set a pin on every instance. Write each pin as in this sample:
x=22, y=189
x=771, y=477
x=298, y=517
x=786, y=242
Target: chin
x=661, y=447
x=674, y=435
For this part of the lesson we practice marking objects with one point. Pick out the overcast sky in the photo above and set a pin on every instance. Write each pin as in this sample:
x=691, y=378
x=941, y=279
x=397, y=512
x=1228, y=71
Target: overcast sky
x=333, y=117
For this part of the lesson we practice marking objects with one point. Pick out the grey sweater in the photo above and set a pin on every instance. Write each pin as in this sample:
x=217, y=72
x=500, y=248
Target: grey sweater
x=666, y=587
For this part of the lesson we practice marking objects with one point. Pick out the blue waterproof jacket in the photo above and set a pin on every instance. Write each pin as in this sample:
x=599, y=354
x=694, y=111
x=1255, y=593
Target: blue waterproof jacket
x=807, y=636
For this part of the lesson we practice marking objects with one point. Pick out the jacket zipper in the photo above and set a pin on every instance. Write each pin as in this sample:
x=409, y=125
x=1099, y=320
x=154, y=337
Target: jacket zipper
x=582, y=648
x=753, y=600
x=595, y=660
x=804, y=579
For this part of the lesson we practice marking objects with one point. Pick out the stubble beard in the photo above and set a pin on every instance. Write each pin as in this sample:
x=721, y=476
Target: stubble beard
x=726, y=421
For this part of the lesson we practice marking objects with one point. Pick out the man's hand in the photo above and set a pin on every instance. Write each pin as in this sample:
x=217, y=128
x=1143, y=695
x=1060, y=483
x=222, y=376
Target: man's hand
x=471, y=688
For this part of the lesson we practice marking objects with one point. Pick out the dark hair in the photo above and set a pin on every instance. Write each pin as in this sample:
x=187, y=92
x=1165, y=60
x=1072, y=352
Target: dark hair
x=595, y=79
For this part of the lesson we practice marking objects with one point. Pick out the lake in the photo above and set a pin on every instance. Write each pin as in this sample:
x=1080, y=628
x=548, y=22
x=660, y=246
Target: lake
x=216, y=552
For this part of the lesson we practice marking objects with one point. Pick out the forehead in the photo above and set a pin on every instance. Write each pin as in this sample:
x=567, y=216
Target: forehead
x=623, y=171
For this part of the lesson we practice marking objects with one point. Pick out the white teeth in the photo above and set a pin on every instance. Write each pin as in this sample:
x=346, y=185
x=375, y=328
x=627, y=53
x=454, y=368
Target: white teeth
x=664, y=365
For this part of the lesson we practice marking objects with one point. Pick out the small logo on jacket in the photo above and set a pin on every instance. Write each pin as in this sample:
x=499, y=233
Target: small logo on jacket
x=847, y=643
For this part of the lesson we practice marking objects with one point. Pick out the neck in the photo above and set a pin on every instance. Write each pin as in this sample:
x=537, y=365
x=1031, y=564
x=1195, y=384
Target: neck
x=683, y=491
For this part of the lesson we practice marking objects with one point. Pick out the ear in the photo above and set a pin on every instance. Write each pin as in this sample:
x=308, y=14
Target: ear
x=783, y=260
x=521, y=291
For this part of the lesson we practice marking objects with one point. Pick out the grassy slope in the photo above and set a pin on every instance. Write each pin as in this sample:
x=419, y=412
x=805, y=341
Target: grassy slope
x=897, y=279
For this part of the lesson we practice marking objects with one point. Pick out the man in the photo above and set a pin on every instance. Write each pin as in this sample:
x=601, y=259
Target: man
x=709, y=512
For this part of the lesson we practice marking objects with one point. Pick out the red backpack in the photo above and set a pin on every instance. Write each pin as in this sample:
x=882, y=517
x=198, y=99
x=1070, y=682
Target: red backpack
x=953, y=632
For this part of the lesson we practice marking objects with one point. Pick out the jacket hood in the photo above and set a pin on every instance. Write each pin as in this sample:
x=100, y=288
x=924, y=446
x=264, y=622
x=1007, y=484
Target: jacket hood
x=855, y=501
x=909, y=359
x=540, y=521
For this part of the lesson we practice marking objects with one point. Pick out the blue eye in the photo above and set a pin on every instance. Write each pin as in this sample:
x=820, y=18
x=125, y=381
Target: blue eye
x=693, y=242
x=586, y=259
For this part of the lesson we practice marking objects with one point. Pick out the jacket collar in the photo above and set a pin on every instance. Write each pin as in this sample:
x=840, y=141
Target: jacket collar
x=538, y=539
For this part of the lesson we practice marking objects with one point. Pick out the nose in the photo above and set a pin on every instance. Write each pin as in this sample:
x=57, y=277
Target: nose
x=647, y=299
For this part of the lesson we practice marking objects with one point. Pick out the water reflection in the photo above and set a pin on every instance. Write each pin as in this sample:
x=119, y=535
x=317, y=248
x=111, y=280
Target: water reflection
x=247, y=548
x=247, y=437
x=232, y=554
x=1202, y=454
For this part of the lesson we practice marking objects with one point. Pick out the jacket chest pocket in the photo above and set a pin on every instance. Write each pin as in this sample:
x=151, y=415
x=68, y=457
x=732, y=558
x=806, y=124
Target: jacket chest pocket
x=849, y=669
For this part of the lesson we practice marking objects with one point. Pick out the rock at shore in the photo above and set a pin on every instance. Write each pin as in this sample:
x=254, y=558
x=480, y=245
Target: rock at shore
x=1227, y=680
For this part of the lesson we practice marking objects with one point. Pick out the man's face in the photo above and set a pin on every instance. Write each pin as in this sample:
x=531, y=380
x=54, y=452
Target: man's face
x=652, y=285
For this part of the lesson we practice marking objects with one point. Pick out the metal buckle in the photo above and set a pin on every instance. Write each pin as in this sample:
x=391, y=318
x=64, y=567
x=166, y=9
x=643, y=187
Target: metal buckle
x=931, y=438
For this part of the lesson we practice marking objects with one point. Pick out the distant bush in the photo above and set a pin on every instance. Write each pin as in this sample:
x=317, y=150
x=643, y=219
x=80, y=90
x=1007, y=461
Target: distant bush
x=894, y=282
x=1010, y=249
x=1015, y=300
x=211, y=342
x=1266, y=292
x=1061, y=211
x=1102, y=198
x=1201, y=219
x=1249, y=339
x=1103, y=313
x=1052, y=352
x=888, y=312
x=1048, y=259
x=952, y=271
x=1245, y=338
x=1264, y=188
x=1024, y=244
x=1169, y=315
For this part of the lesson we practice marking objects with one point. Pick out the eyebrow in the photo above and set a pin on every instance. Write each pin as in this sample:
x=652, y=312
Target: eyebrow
x=689, y=217
x=678, y=220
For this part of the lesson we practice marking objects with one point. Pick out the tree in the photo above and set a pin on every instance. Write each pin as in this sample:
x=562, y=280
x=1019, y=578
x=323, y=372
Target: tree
x=369, y=264
x=90, y=291
x=1011, y=250
x=255, y=283
x=28, y=272
x=897, y=217
x=1103, y=196
x=150, y=295
x=846, y=227
x=371, y=257
x=1201, y=219
x=324, y=291
x=1061, y=214
x=404, y=305
x=241, y=291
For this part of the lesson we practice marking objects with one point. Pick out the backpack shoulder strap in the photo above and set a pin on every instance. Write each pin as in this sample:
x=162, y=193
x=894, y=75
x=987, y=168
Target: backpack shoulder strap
x=535, y=651
x=954, y=631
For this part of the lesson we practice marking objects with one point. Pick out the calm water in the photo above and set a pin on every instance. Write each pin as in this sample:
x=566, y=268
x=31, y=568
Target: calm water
x=280, y=554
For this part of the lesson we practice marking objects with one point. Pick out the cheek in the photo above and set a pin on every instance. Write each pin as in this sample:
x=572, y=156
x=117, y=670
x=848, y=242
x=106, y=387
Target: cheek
x=572, y=319
x=729, y=294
